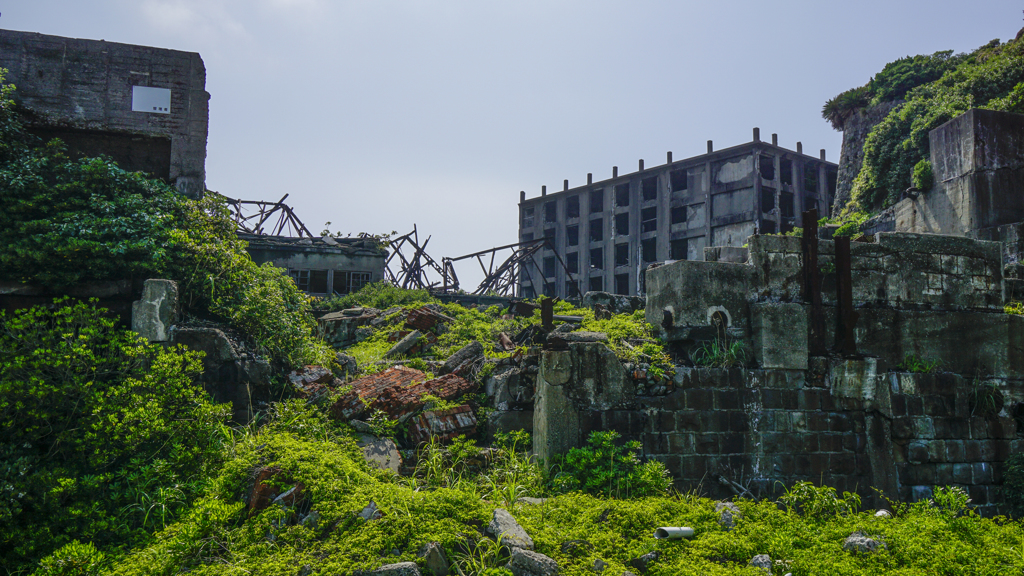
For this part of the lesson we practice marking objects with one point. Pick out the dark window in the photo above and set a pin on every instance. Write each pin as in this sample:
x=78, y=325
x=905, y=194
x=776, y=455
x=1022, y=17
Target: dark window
x=572, y=262
x=786, y=171
x=766, y=165
x=527, y=236
x=596, y=201
x=786, y=227
x=301, y=279
x=597, y=259
x=679, y=214
x=348, y=282
x=622, y=195
x=767, y=200
x=810, y=202
x=596, y=284
x=528, y=292
x=597, y=230
x=679, y=180
x=811, y=178
x=622, y=224
x=549, y=289
x=572, y=207
x=649, y=249
x=549, y=267
x=767, y=227
x=549, y=234
x=622, y=284
x=678, y=249
x=786, y=204
x=571, y=289
x=650, y=188
x=649, y=219
x=527, y=216
x=831, y=175
x=318, y=281
x=550, y=212
x=622, y=254
x=572, y=235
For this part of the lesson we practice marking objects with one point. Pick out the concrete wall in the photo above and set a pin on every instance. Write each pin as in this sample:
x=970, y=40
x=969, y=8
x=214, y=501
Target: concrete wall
x=82, y=92
x=728, y=195
x=352, y=255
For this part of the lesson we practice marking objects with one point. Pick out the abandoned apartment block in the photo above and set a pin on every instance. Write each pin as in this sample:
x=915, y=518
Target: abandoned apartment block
x=147, y=108
x=607, y=233
x=321, y=267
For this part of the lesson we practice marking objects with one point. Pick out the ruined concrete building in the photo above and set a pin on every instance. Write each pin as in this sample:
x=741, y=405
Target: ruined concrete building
x=321, y=266
x=608, y=232
x=147, y=108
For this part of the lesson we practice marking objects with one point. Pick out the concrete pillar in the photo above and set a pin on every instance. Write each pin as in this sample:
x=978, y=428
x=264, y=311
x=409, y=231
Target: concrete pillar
x=615, y=171
x=522, y=196
x=775, y=139
x=757, y=134
x=799, y=147
x=669, y=157
x=590, y=178
x=543, y=190
x=822, y=155
x=711, y=147
x=641, y=169
x=556, y=423
x=565, y=184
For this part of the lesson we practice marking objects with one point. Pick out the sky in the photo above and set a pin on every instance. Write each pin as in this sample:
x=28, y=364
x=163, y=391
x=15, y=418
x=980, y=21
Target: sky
x=375, y=115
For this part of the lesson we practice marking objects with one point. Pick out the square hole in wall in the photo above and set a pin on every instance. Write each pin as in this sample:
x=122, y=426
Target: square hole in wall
x=811, y=177
x=649, y=249
x=597, y=230
x=622, y=224
x=572, y=207
x=549, y=267
x=318, y=281
x=768, y=227
x=766, y=166
x=527, y=216
x=767, y=199
x=679, y=179
x=572, y=262
x=622, y=195
x=527, y=236
x=622, y=254
x=572, y=235
x=678, y=249
x=597, y=259
x=596, y=201
x=622, y=284
x=678, y=214
x=649, y=187
x=786, y=204
x=811, y=202
x=786, y=171
x=649, y=219
x=550, y=212
x=596, y=284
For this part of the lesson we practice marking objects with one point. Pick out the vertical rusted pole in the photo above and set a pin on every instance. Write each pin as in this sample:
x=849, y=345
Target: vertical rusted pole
x=812, y=282
x=846, y=317
x=547, y=314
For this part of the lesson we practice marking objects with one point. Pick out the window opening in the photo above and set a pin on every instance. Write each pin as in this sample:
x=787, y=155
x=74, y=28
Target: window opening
x=678, y=249
x=768, y=227
x=572, y=235
x=622, y=195
x=811, y=178
x=572, y=262
x=650, y=188
x=649, y=219
x=622, y=254
x=767, y=200
x=678, y=214
x=301, y=279
x=766, y=166
x=786, y=204
x=597, y=259
x=318, y=281
x=622, y=284
x=786, y=171
x=596, y=201
x=549, y=267
x=597, y=230
x=649, y=249
x=572, y=207
x=622, y=224
x=680, y=180
x=550, y=212
x=596, y=284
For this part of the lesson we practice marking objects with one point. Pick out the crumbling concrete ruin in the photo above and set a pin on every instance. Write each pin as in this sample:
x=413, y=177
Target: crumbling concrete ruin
x=608, y=232
x=147, y=108
x=853, y=416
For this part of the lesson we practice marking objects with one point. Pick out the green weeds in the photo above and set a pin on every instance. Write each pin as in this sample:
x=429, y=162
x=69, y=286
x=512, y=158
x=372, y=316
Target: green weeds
x=912, y=363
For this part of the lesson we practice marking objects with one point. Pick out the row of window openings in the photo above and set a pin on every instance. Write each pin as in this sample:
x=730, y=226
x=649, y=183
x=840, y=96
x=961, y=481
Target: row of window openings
x=786, y=207
x=648, y=190
x=648, y=252
x=326, y=281
x=648, y=223
x=766, y=167
x=595, y=284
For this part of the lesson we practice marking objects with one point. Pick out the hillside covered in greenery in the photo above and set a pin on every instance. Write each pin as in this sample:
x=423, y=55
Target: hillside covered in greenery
x=933, y=89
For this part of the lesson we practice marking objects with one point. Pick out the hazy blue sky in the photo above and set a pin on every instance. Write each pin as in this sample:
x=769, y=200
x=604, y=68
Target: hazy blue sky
x=378, y=114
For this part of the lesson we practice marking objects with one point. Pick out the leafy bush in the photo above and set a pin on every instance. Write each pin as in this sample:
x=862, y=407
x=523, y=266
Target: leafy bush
x=381, y=295
x=819, y=501
x=603, y=467
x=923, y=179
x=103, y=437
x=1013, y=484
x=912, y=363
x=512, y=474
x=720, y=353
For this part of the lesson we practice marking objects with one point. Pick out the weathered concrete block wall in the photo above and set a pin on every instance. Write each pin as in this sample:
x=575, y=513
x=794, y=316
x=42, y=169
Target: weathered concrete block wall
x=82, y=91
x=851, y=158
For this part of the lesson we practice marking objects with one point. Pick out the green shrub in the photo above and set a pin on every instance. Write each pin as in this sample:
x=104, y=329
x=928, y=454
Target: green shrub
x=380, y=295
x=604, y=467
x=923, y=179
x=1013, y=485
x=103, y=437
x=912, y=363
x=819, y=501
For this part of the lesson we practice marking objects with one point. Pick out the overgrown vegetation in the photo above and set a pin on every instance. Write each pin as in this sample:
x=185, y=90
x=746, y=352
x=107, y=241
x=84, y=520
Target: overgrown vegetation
x=69, y=221
x=916, y=364
x=604, y=467
x=936, y=88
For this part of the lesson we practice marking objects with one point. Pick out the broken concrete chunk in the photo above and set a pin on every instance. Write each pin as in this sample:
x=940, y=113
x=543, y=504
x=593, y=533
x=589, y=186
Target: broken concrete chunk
x=405, y=344
x=307, y=375
x=399, y=569
x=504, y=527
x=442, y=424
x=762, y=561
x=349, y=365
x=398, y=392
x=859, y=542
x=157, y=311
x=583, y=336
x=467, y=356
x=426, y=318
x=728, y=514
x=527, y=563
x=380, y=452
x=435, y=560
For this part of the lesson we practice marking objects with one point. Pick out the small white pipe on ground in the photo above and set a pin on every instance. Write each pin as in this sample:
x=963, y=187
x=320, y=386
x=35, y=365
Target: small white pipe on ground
x=670, y=533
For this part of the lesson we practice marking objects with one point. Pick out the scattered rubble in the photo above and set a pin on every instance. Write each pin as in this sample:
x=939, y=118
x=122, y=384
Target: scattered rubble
x=505, y=528
x=859, y=542
x=442, y=424
x=728, y=514
x=762, y=561
x=434, y=559
x=528, y=563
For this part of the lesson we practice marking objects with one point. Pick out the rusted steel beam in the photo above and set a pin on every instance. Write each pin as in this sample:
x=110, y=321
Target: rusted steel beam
x=812, y=282
x=846, y=316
